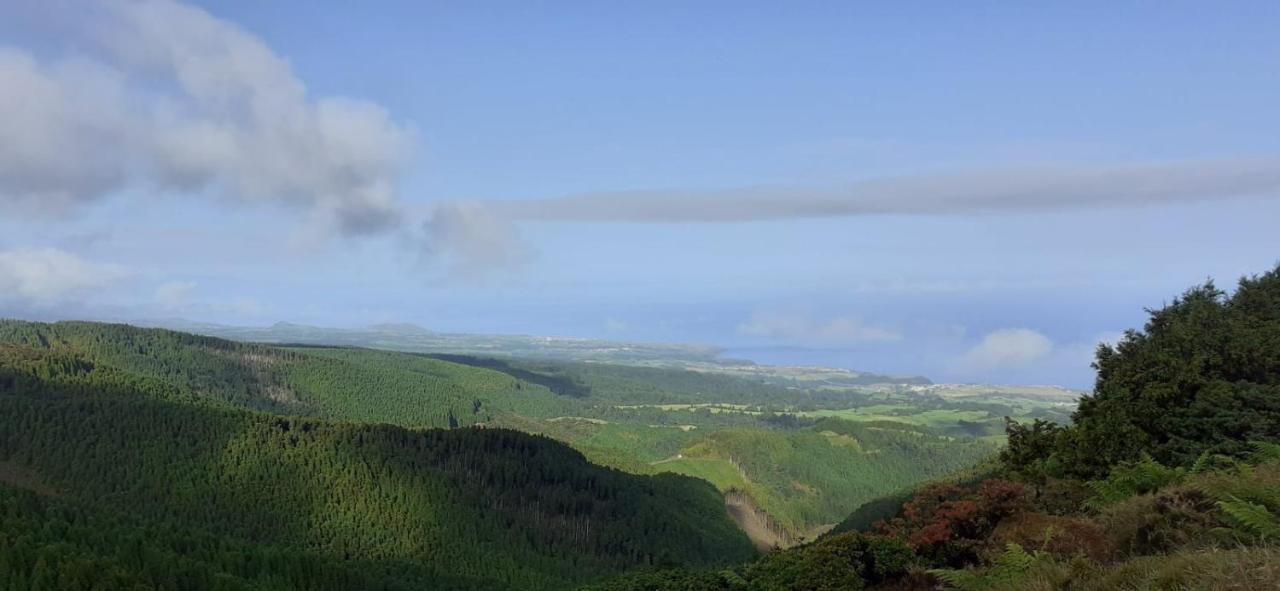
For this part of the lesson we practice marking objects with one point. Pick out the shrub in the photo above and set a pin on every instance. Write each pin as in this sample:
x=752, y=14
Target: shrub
x=1200, y=377
x=838, y=563
x=1058, y=536
x=1238, y=569
x=1133, y=478
x=1061, y=496
x=1154, y=524
x=1011, y=567
x=1256, y=484
x=947, y=524
x=1248, y=496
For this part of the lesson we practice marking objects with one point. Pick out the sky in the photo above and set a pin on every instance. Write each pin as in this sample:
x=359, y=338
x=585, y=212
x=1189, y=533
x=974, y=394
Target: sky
x=975, y=192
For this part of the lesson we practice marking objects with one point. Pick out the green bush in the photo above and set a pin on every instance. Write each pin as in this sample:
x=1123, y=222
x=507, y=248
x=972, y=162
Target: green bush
x=1133, y=478
x=846, y=561
x=1202, y=376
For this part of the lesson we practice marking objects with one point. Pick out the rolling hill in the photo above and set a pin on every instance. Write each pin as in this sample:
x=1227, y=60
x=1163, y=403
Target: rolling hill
x=137, y=453
x=799, y=459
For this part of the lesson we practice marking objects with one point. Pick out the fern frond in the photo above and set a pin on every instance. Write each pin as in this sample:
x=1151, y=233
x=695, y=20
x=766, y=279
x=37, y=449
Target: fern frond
x=1049, y=533
x=1127, y=480
x=963, y=580
x=1265, y=450
x=1202, y=462
x=1015, y=559
x=1106, y=492
x=1251, y=516
x=1009, y=567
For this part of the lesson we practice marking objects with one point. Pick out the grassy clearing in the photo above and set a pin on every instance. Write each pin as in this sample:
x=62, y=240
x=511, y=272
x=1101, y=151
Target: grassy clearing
x=721, y=473
x=842, y=440
x=880, y=412
x=713, y=407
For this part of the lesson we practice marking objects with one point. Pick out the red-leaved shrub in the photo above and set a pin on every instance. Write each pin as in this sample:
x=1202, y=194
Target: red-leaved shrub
x=947, y=524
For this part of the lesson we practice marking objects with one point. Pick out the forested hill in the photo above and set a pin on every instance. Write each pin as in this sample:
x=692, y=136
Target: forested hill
x=804, y=456
x=128, y=460
x=344, y=384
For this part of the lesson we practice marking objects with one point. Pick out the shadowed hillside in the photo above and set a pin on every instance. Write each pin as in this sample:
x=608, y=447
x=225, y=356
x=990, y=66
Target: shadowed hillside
x=464, y=508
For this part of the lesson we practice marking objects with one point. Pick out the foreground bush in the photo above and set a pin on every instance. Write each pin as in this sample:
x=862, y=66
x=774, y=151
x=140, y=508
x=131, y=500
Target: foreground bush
x=844, y=562
x=1203, y=376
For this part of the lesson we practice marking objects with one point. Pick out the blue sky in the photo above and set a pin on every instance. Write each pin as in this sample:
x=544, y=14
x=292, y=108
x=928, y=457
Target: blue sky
x=974, y=192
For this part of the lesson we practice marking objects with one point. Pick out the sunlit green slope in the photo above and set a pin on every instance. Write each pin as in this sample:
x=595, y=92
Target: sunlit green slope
x=806, y=458
x=168, y=485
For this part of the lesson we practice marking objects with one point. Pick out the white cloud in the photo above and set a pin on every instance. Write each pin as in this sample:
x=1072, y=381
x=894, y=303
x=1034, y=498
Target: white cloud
x=799, y=328
x=174, y=294
x=614, y=325
x=189, y=104
x=1006, y=348
x=472, y=242
x=179, y=297
x=40, y=277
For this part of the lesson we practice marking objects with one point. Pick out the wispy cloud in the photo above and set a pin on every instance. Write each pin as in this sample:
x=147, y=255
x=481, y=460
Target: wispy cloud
x=1021, y=190
x=48, y=276
x=1047, y=188
x=181, y=297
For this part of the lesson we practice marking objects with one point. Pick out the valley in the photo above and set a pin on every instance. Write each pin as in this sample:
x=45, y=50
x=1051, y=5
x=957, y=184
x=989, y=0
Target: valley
x=789, y=462
x=160, y=458
x=804, y=445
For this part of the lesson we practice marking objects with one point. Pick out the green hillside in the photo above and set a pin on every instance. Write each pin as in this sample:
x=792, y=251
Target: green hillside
x=1167, y=478
x=809, y=477
x=781, y=449
x=804, y=477
x=255, y=500
x=804, y=458
x=344, y=384
x=413, y=390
